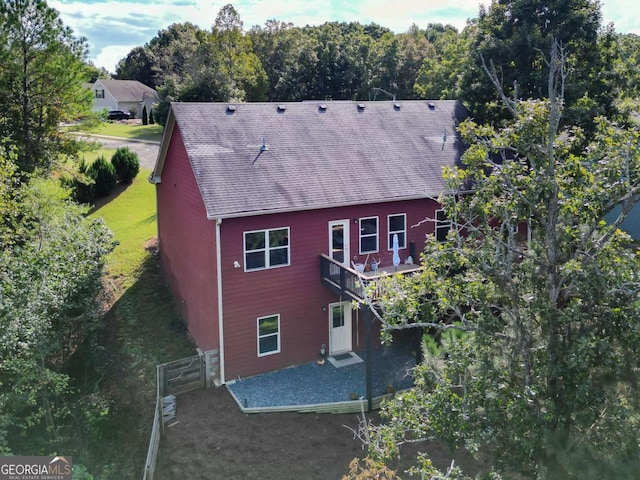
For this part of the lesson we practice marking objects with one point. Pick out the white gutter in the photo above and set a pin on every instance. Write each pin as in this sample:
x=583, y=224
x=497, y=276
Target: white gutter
x=220, y=309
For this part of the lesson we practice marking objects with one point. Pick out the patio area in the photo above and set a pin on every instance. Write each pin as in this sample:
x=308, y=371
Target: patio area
x=310, y=386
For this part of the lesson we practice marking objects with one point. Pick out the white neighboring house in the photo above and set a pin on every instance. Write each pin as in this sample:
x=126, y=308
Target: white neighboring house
x=125, y=95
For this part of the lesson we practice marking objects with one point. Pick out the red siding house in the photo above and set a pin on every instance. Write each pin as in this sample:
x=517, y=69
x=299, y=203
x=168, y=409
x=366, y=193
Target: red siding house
x=252, y=198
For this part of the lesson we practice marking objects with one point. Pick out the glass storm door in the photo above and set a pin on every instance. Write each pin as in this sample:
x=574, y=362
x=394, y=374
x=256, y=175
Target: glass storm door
x=340, y=327
x=339, y=241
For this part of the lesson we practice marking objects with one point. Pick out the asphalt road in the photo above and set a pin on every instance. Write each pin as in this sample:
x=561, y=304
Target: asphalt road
x=147, y=151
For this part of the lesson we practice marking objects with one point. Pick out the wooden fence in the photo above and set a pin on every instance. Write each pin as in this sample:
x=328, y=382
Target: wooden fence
x=180, y=376
x=156, y=431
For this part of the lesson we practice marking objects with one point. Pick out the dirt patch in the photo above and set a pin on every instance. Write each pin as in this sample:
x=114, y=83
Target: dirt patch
x=213, y=439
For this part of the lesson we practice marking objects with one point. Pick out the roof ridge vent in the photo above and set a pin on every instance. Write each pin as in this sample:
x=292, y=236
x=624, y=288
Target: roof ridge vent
x=281, y=108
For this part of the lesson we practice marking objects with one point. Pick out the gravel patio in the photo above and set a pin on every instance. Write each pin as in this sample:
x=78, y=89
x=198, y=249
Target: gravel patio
x=313, y=384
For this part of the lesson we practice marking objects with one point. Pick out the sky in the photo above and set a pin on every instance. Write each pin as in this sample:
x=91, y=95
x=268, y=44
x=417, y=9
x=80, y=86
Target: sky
x=113, y=28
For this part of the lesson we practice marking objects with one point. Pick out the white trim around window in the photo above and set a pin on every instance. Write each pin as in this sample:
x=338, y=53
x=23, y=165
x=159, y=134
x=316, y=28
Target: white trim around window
x=369, y=229
x=397, y=223
x=265, y=249
x=268, y=335
x=442, y=225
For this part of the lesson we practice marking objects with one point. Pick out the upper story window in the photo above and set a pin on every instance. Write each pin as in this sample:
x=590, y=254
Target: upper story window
x=99, y=93
x=266, y=249
x=397, y=225
x=268, y=335
x=443, y=225
x=369, y=235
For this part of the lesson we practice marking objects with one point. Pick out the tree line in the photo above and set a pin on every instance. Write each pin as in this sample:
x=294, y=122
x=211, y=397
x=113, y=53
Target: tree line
x=350, y=61
x=51, y=254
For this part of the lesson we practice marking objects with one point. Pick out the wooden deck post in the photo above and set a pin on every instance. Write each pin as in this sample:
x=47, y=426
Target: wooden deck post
x=368, y=322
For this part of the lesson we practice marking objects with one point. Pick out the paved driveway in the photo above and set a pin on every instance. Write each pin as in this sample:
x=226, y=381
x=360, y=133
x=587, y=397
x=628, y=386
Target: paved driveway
x=147, y=151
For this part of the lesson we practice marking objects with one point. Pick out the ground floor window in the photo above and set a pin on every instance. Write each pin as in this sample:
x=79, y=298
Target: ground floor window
x=268, y=335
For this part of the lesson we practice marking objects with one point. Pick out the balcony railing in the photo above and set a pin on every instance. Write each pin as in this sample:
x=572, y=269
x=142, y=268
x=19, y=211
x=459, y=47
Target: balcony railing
x=347, y=282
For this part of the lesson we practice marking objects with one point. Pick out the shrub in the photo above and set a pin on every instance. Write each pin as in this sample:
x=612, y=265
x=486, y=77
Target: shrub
x=145, y=120
x=104, y=174
x=82, y=185
x=126, y=164
x=151, y=119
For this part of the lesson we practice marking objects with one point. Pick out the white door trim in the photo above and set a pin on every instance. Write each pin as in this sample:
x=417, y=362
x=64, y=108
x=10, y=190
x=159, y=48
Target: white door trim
x=340, y=338
x=345, y=240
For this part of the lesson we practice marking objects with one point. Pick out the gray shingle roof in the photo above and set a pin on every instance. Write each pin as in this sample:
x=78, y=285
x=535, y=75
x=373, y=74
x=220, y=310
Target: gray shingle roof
x=262, y=159
x=128, y=90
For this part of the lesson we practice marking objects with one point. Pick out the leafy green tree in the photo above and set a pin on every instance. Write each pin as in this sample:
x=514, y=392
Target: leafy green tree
x=94, y=73
x=140, y=64
x=279, y=45
x=509, y=38
x=544, y=381
x=237, y=64
x=40, y=81
x=403, y=56
x=49, y=288
x=439, y=75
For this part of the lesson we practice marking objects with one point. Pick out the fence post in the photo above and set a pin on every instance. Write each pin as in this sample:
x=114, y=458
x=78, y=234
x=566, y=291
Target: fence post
x=162, y=380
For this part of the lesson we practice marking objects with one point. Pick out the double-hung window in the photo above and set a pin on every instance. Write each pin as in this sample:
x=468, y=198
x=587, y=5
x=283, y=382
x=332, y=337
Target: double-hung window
x=397, y=225
x=369, y=235
x=266, y=249
x=268, y=335
x=443, y=225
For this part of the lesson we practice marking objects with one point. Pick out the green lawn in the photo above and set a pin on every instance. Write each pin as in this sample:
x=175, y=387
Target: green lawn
x=130, y=213
x=134, y=132
x=91, y=155
x=142, y=329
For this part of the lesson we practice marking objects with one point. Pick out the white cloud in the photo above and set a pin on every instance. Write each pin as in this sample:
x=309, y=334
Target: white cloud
x=625, y=18
x=110, y=56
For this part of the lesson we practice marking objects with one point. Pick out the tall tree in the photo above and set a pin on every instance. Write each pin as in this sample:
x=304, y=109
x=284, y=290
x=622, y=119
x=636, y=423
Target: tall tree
x=279, y=46
x=51, y=275
x=235, y=60
x=509, y=38
x=440, y=73
x=543, y=379
x=140, y=64
x=41, y=77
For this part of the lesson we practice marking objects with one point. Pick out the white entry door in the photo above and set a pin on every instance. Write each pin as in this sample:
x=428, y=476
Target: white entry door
x=340, y=327
x=339, y=241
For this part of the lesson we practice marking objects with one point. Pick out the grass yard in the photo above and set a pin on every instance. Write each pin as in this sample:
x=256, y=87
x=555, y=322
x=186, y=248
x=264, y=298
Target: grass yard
x=130, y=212
x=141, y=329
x=91, y=155
x=129, y=130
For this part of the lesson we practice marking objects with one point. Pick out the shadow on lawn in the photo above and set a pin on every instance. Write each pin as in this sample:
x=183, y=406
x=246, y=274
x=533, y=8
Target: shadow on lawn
x=98, y=203
x=141, y=329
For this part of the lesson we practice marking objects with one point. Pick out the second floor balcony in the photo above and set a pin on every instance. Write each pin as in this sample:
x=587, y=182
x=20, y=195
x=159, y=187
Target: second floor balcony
x=350, y=283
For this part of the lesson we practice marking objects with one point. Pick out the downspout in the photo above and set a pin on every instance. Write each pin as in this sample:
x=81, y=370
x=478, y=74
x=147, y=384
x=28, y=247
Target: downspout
x=220, y=309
